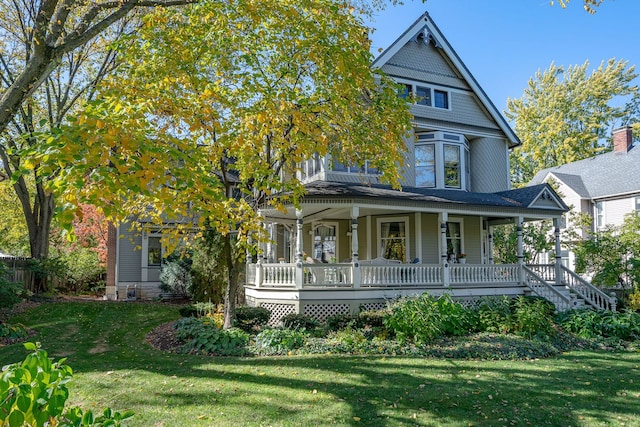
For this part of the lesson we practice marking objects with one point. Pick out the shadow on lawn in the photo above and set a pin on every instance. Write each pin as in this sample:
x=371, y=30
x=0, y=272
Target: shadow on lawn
x=347, y=390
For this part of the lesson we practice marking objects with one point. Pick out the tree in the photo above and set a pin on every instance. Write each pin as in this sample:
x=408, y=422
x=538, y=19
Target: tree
x=52, y=54
x=536, y=240
x=223, y=103
x=611, y=255
x=564, y=116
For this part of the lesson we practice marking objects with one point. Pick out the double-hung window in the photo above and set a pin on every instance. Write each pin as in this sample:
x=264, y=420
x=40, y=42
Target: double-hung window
x=393, y=238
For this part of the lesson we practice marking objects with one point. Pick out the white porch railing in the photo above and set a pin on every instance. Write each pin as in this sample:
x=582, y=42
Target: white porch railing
x=396, y=275
x=278, y=275
x=546, y=271
x=327, y=275
x=380, y=276
x=481, y=274
x=543, y=289
x=591, y=294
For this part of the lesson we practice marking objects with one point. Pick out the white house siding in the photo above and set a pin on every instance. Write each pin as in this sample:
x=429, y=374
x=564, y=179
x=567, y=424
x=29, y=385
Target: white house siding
x=129, y=256
x=615, y=210
x=489, y=165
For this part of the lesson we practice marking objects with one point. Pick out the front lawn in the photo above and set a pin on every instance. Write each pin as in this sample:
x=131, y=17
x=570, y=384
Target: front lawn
x=113, y=366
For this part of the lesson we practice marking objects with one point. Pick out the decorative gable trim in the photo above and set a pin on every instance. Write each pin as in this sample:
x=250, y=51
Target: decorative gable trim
x=425, y=29
x=547, y=199
x=427, y=37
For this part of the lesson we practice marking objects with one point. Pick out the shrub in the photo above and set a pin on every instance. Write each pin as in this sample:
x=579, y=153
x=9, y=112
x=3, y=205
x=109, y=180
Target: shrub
x=341, y=321
x=12, y=332
x=10, y=292
x=84, y=271
x=416, y=319
x=494, y=315
x=532, y=318
x=425, y=318
x=587, y=323
x=176, y=276
x=34, y=392
x=299, y=321
x=202, y=336
x=278, y=341
x=188, y=311
x=251, y=318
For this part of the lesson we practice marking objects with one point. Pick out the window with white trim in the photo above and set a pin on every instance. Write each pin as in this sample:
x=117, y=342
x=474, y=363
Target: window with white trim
x=325, y=246
x=393, y=235
x=599, y=214
x=154, y=251
x=426, y=95
x=441, y=161
x=455, y=245
x=638, y=205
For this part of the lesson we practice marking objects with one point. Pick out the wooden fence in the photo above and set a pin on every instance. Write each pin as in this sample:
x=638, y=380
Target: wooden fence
x=18, y=270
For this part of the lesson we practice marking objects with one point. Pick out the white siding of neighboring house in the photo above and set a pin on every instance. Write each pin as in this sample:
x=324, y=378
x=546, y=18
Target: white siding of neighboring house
x=616, y=209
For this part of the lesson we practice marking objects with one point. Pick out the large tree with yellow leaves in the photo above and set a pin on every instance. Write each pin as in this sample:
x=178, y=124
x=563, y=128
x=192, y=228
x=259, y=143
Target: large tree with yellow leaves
x=215, y=107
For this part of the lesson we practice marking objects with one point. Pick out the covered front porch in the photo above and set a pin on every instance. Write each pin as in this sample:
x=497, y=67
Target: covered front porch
x=350, y=247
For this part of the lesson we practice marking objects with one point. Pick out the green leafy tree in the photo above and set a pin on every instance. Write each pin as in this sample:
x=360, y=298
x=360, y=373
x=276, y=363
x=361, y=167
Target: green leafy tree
x=611, y=255
x=223, y=103
x=536, y=239
x=52, y=54
x=565, y=115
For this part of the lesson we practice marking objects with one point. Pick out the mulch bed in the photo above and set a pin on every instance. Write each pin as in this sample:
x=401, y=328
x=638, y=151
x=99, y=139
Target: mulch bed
x=164, y=338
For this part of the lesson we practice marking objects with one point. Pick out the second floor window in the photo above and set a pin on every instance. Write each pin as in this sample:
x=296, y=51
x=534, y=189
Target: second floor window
x=440, y=164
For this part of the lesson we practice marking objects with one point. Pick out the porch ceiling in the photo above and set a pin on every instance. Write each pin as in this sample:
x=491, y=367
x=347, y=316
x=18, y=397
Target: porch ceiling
x=333, y=200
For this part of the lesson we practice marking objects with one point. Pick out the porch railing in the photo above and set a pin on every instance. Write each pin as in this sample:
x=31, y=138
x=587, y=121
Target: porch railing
x=327, y=275
x=380, y=276
x=396, y=275
x=479, y=274
x=542, y=288
x=278, y=275
x=591, y=294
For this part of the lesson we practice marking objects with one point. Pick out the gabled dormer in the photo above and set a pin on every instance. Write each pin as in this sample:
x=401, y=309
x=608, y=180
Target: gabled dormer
x=460, y=141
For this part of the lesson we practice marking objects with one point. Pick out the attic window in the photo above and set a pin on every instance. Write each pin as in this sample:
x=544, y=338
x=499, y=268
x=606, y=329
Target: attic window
x=426, y=95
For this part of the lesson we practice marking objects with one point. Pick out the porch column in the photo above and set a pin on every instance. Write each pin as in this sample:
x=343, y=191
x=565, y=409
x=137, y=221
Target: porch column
x=258, y=278
x=355, y=265
x=299, y=260
x=444, y=261
x=558, y=266
x=269, y=251
x=490, y=249
x=519, y=222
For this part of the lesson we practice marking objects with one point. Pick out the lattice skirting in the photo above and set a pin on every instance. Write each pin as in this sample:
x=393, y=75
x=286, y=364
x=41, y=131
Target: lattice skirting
x=323, y=311
x=369, y=306
x=278, y=311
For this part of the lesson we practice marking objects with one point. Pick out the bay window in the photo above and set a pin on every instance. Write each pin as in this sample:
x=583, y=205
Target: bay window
x=440, y=164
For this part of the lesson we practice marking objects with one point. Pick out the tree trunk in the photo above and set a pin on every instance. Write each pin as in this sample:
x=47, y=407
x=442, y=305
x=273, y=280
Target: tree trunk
x=232, y=284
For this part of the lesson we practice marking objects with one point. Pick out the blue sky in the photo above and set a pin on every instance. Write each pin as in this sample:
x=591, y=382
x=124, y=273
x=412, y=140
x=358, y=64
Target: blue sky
x=504, y=42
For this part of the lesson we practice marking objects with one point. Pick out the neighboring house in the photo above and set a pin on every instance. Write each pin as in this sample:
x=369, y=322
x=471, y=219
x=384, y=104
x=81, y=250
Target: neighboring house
x=354, y=243
x=605, y=187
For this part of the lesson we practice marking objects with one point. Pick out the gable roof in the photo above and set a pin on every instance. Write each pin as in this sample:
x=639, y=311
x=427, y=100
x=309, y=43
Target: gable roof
x=604, y=175
x=427, y=29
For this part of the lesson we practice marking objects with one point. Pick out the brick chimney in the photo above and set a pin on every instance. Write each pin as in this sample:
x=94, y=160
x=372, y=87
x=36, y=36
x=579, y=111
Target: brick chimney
x=622, y=139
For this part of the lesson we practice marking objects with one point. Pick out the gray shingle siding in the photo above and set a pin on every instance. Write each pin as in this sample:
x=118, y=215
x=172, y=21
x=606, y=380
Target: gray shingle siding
x=489, y=165
x=129, y=256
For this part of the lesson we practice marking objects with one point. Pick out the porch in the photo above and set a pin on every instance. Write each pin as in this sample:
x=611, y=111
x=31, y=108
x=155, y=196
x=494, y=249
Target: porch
x=322, y=290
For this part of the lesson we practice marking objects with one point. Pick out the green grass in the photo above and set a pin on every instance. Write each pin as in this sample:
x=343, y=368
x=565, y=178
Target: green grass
x=113, y=366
